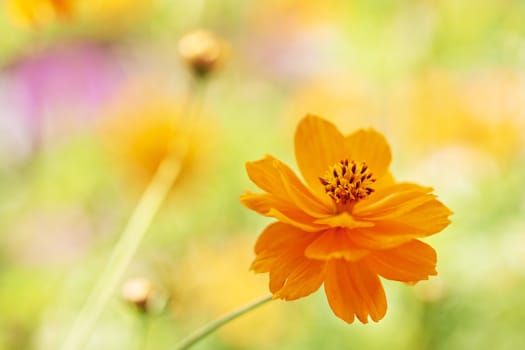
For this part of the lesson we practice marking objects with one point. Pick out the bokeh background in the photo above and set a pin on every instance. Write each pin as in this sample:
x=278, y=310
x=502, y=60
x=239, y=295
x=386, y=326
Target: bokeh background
x=93, y=93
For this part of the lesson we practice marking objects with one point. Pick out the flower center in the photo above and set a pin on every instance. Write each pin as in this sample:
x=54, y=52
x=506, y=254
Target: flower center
x=348, y=181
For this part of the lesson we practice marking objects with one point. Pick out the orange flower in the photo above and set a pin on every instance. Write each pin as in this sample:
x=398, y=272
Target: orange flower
x=349, y=224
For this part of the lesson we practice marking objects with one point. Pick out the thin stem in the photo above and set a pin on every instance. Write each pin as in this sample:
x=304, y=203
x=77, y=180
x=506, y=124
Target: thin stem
x=124, y=250
x=212, y=326
x=145, y=325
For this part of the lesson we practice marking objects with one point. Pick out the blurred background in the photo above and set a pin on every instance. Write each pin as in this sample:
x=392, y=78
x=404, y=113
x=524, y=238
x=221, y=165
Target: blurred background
x=93, y=94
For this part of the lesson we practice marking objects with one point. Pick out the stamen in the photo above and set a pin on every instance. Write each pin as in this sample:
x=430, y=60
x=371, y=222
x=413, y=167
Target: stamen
x=345, y=186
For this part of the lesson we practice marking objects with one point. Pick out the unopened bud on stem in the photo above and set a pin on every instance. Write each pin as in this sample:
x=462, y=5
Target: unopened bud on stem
x=203, y=51
x=138, y=292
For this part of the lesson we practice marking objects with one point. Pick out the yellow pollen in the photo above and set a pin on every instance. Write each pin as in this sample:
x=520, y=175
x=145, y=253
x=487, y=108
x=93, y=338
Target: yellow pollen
x=348, y=181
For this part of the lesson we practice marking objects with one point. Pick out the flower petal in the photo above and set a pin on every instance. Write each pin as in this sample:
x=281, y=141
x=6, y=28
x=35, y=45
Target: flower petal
x=388, y=234
x=343, y=220
x=386, y=180
x=280, y=251
x=303, y=278
x=269, y=205
x=413, y=261
x=318, y=145
x=300, y=195
x=335, y=244
x=296, y=223
x=401, y=213
x=274, y=177
x=371, y=147
x=429, y=218
x=384, y=235
x=353, y=290
x=392, y=200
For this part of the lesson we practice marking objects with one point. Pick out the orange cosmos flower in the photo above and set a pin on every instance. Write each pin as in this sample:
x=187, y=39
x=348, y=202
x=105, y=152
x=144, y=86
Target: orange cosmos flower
x=349, y=224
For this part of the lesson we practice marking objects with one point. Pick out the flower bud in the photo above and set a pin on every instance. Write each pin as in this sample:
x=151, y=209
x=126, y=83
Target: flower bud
x=203, y=51
x=138, y=292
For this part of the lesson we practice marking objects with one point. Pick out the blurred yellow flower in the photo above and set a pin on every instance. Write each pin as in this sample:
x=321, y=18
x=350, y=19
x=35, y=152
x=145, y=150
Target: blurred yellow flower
x=300, y=12
x=113, y=14
x=142, y=128
x=106, y=13
x=36, y=13
x=437, y=109
x=349, y=225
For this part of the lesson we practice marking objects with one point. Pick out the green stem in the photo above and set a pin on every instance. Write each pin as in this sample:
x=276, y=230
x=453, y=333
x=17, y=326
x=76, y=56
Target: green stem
x=212, y=326
x=145, y=325
x=138, y=223
x=123, y=252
